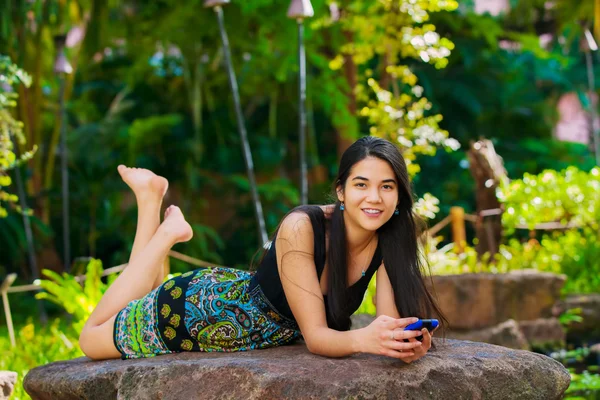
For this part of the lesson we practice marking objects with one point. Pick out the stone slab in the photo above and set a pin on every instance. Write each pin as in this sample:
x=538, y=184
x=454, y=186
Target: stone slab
x=475, y=301
x=454, y=369
x=544, y=333
x=507, y=334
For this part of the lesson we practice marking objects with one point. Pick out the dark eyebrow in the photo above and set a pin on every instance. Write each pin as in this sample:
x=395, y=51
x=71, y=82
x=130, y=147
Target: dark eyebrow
x=362, y=178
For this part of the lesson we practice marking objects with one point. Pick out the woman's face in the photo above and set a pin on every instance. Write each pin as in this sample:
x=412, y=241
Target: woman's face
x=370, y=195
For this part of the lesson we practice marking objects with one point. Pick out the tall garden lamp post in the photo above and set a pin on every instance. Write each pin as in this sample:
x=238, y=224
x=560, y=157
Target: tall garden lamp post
x=62, y=68
x=589, y=45
x=298, y=10
x=216, y=6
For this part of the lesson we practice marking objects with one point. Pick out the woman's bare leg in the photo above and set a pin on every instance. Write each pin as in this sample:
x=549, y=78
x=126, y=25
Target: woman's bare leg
x=133, y=283
x=149, y=190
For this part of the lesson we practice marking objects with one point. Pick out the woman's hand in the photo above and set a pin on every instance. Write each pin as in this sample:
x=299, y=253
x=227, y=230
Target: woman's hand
x=385, y=336
x=420, y=351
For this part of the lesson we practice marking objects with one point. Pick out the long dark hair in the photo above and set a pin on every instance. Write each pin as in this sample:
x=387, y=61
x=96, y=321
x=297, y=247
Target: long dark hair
x=398, y=240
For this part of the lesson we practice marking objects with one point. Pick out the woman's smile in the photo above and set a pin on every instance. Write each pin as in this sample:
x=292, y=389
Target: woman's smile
x=372, y=212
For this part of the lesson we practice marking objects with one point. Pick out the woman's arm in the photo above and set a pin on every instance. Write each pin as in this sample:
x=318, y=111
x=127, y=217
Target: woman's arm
x=295, y=262
x=386, y=306
x=384, y=295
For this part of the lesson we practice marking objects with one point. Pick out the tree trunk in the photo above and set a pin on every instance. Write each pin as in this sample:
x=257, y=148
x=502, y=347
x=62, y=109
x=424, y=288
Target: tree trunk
x=488, y=171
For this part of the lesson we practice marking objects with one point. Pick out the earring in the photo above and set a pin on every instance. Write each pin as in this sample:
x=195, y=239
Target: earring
x=342, y=208
x=397, y=212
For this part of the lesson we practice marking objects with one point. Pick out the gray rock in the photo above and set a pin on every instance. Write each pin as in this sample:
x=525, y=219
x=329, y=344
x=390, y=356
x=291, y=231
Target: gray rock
x=475, y=301
x=361, y=320
x=7, y=384
x=507, y=334
x=454, y=369
x=544, y=333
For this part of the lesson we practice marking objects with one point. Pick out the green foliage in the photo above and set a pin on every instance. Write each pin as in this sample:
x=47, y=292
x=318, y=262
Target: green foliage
x=10, y=77
x=34, y=347
x=570, y=316
x=584, y=386
x=502, y=81
x=569, y=197
x=367, y=306
x=148, y=94
x=77, y=299
x=381, y=39
x=573, y=253
x=149, y=132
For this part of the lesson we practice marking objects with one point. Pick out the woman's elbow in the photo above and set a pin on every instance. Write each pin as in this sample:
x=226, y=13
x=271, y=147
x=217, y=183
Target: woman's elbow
x=313, y=345
x=310, y=345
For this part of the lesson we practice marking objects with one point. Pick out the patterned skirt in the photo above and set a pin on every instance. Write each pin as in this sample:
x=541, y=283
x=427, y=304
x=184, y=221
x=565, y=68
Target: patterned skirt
x=209, y=309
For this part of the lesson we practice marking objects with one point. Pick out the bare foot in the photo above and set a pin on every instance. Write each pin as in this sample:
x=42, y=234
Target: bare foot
x=144, y=183
x=175, y=225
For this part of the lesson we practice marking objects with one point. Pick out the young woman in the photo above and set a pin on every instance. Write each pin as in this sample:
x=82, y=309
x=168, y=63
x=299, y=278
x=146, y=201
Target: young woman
x=308, y=283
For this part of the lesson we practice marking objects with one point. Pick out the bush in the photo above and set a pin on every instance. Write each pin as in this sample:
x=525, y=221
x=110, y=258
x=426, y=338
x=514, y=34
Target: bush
x=571, y=196
x=10, y=129
x=77, y=299
x=35, y=347
x=573, y=253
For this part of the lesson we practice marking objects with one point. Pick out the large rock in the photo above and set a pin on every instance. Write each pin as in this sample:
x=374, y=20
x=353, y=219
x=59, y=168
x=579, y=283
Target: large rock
x=544, y=333
x=361, y=320
x=507, y=334
x=455, y=369
x=474, y=301
x=7, y=384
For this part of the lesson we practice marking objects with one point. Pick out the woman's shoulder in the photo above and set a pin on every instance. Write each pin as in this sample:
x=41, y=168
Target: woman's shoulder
x=302, y=221
x=307, y=213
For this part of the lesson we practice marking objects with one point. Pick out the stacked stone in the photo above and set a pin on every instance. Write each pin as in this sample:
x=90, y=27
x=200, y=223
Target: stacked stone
x=513, y=310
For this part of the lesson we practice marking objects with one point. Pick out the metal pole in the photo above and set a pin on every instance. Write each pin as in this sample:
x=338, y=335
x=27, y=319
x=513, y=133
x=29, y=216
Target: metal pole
x=62, y=67
x=64, y=177
x=298, y=10
x=241, y=127
x=28, y=233
x=302, y=113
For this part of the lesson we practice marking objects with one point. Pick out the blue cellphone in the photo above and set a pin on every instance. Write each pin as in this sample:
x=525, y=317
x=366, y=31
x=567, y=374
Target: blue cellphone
x=429, y=324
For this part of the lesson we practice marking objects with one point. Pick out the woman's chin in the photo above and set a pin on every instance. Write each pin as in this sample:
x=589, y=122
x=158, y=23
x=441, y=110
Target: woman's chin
x=372, y=224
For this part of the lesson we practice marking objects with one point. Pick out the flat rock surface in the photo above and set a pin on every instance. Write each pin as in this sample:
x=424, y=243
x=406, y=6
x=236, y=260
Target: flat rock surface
x=455, y=369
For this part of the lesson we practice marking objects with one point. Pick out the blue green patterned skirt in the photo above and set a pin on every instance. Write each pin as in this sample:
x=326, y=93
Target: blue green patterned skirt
x=209, y=309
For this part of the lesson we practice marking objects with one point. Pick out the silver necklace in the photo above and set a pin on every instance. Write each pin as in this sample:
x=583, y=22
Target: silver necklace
x=363, y=270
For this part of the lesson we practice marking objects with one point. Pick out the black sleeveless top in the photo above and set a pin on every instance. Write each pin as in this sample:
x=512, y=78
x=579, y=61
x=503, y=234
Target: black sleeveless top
x=267, y=273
